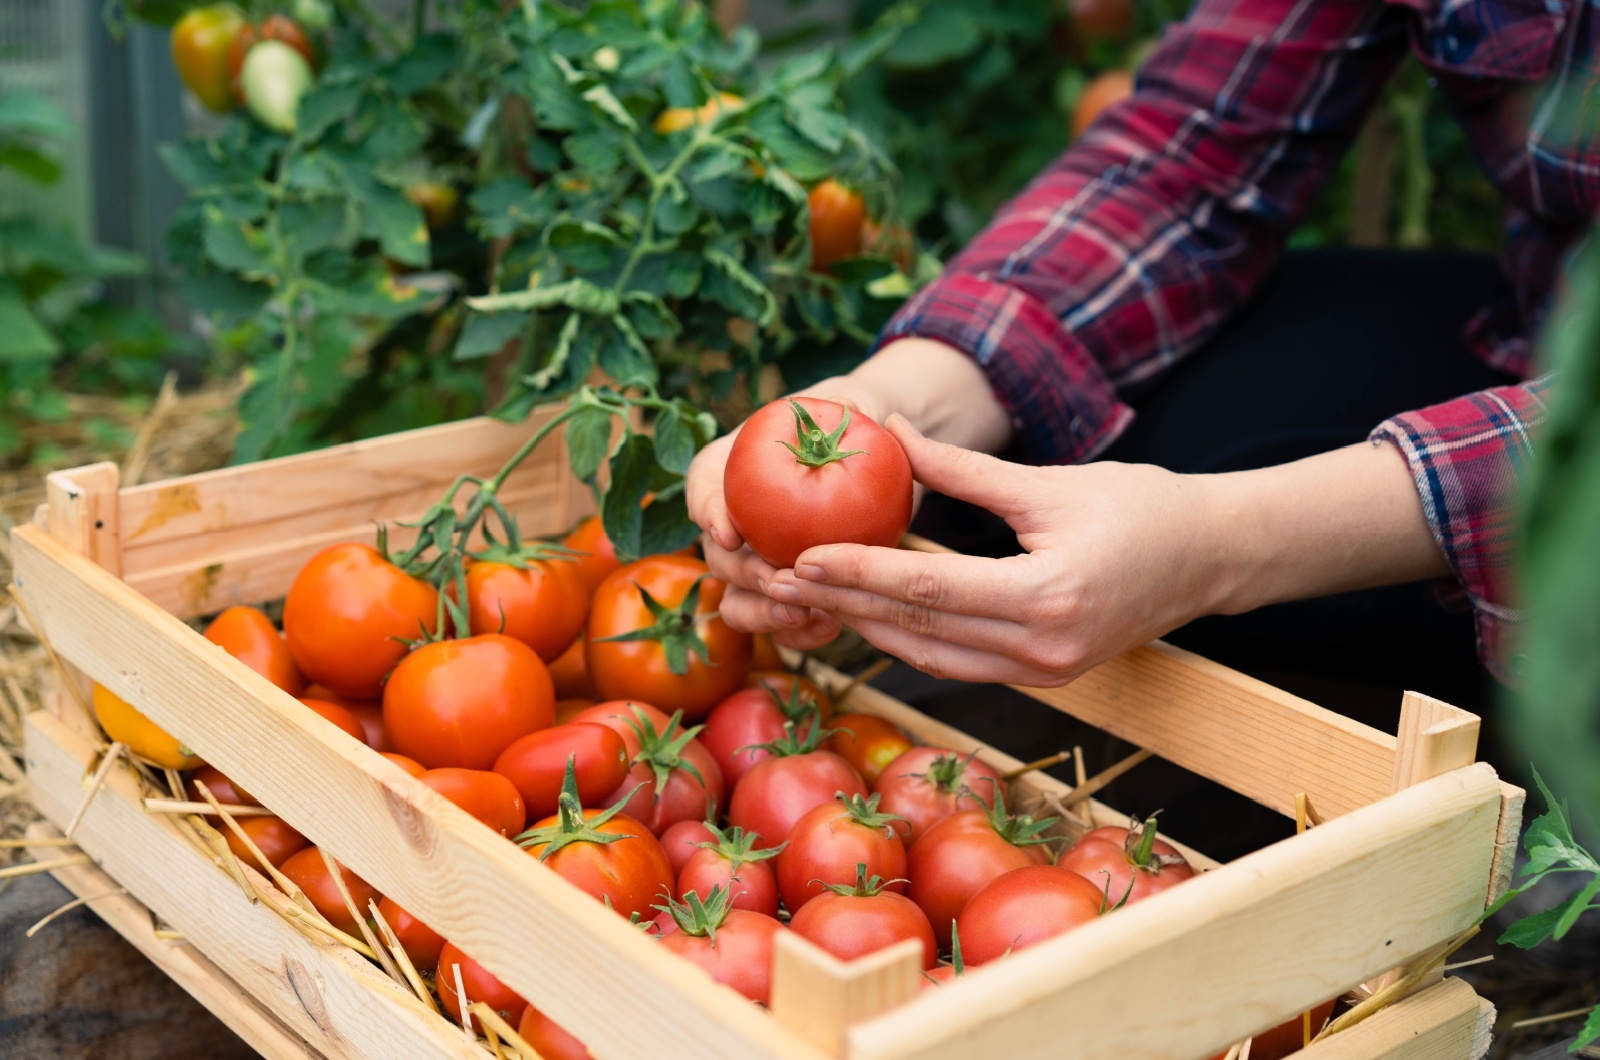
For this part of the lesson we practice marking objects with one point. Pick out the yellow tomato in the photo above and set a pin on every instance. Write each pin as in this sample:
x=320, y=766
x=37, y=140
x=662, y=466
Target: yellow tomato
x=677, y=119
x=143, y=737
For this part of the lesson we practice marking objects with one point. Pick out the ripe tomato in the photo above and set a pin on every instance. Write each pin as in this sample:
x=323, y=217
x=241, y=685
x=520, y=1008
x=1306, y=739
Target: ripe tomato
x=200, y=42
x=310, y=874
x=273, y=27
x=630, y=873
x=271, y=835
x=1098, y=20
x=489, y=797
x=733, y=945
x=832, y=842
x=677, y=119
x=410, y=765
x=751, y=717
x=688, y=781
x=1128, y=864
x=868, y=743
x=599, y=557
x=462, y=702
x=543, y=605
x=927, y=784
x=1110, y=87
x=682, y=842
x=1288, y=1037
x=776, y=793
x=421, y=943
x=804, y=472
x=339, y=716
x=1023, y=907
x=369, y=712
x=570, y=672
x=479, y=985
x=249, y=636
x=548, y=1039
x=224, y=790
x=689, y=661
x=732, y=863
x=638, y=788
x=764, y=654
x=835, y=227
x=536, y=763
x=344, y=612
x=964, y=852
x=794, y=689
x=851, y=922
x=143, y=737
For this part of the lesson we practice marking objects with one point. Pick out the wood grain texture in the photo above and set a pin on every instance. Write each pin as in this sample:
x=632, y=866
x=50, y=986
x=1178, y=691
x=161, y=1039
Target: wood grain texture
x=84, y=512
x=1433, y=738
x=471, y=885
x=819, y=997
x=1231, y=952
x=1444, y=1022
x=1507, y=838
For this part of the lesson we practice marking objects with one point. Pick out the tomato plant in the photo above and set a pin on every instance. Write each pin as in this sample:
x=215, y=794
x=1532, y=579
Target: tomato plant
x=310, y=873
x=829, y=844
x=274, y=27
x=200, y=42
x=740, y=724
x=868, y=743
x=733, y=945
x=479, y=985
x=853, y=921
x=536, y=764
x=539, y=601
x=927, y=784
x=730, y=860
x=777, y=792
x=249, y=636
x=462, y=702
x=1131, y=864
x=1026, y=906
x=421, y=943
x=489, y=797
x=805, y=472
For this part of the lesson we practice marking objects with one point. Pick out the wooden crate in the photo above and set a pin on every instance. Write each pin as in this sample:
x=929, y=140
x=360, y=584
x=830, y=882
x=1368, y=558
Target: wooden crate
x=1414, y=839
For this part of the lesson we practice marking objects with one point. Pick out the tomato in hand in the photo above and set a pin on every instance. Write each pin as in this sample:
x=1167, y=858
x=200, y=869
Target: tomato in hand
x=273, y=836
x=751, y=717
x=489, y=797
x=421, y=943
x=249, y=636
x=479, y=985
x=927, y=784
x=654, y=635
x=310, y=874
x=805, y=472
x=537, y=762
x=732, y=863
x=868, y=743
x=124, y=724
x=462, y=702
x=851, y=922
x=776, y=793
x=543, y=604
x=835, y=227
x=548, y=1038
x=1129, y=864
x=348, y=615
x=599, y=556
x=682, y=842
x=832, y=842
x=200, y=42
x=273, y=27
x=733, y=945
x=570, y=672
x=688, y=781
x=339, y=716
x=1025, y=906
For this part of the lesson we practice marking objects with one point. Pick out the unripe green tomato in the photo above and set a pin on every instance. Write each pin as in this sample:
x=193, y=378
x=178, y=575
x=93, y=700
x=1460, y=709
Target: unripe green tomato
x=315, y=16
x=274, y=77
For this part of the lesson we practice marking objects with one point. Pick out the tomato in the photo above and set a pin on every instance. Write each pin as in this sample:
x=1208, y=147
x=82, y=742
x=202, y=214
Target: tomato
x=548, y=1039
x=599, y=555
x=200, y=42
x=536, y=763
x=851, y=922
x=832, y=842
x=567, y=709
x=732, y=863
x=224, y=790
x=311, y=875
x=764, y=654
x=543, y=605
x=144, y=738
x=410, y=765
x=893, y=242
x=1110, y=87
x=689, y=661
x=794, y=689
x=733, y=945
x=682, y=841
x=273, y=80
x=1025, y=906
x=369, y=712
x=638, y=787
x=776, y=793
x=1128, y=864
x=339, y=716
x=868, y=743
x=272, y=836
x=273, y=27
x=688, y=781
x=677, y=119
x=1098, y=20
x=249, y=636
x=347, y=614
x=436, y=200
x=570, y=672
x=960, y=854
x=489, y=797
x=835, y=227
x=805, y=472
x=421, y=943
x=1288, y=1037
x=462, y=702
x=751, y=717
x=927, y=784
x=479, y=985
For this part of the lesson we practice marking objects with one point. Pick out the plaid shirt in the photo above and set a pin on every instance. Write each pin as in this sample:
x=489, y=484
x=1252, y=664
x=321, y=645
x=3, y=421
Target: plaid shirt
x=1135, y=245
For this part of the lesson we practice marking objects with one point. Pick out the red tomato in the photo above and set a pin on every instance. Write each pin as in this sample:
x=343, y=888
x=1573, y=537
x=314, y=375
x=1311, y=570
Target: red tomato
x=764, y=653
x=271, y=835
x=691, y=663
x=1103, y=20
x=570, y=672
x=1024, y=906
x=462, y=702
x=567, y=709
x=225, y=790
x=794, y=689
x=835, y=225
x=1128, y=864
x=348, y=615
x=542, y=605
x=310, y=874
x=1288, y=1037
x=868, y=743
x=638, y=789
x=479, y=985
x=961, y=854
x=682, y=842
x=410, y=765
x=688, y=781
x=489, y=797
x=776, y=793
x=851, y=922
x=421, y=943
x=340, y=717
x=836, y=476
x=599, y=557
x=631, y=873
x=733, y=864
x=927, y=784
x=733, y=945
x=249, y=636
x=369, y=712
x=537, y=762
x=832, y=842
x=751, y=717
x=548, y=1039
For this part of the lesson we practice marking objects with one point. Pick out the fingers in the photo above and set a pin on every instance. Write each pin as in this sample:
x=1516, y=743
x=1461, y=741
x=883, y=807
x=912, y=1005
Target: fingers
x=742, y=568
x=964, y=474
x=793, y=627
x=958, y=662
x=965, y=585
x=703, y=494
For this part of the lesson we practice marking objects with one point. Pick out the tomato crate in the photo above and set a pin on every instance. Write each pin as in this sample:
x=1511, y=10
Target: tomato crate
x=1410, y=838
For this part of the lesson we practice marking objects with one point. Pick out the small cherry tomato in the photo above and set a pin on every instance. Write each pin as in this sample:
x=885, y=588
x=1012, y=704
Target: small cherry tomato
x=832, y=842
x=867, y=742
x=851, y=922
x=249, y=636
x=310, y=874
x=479, y=984
x=536, y=763
x=732, y=863
x=677, y=119
x=489, y=797
x=462, y=702
x=1023, y=907
x=421, y=943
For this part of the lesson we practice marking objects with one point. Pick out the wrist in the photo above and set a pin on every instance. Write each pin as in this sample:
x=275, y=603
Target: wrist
x=940, y=389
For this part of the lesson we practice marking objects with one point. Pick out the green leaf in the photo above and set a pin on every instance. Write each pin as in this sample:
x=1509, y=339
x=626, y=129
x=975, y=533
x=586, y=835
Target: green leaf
x=237, y=247
x=624, y=356
x=1576, y=908
x=621, y=513
x=34, y=165
x=311, y=226
x=806, y=67
x=572, y=360
x=676, y=213
x=576, y=293
x=1590, y=1032
x=943, y=32
x=596, y=153
x=428, y=62
x=665, y=527
x=31, y=114
x=1532, y=930
x=509, y=205
x=22, y=337
x=759, y=305
x=600, y=98
x=389, y=217
x=674, y=441
x=804, y=160
x=825, y=128
x=651, y=317
x=588, y=441
x=224, y=297
x=324, y=107
x=487, y=333
x=583, y=244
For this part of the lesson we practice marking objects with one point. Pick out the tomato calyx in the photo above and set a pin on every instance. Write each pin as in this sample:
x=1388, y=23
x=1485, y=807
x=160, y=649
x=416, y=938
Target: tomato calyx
x=945, y=773
x=863, y=810
x=812, y=447
x=737, y=847
x=523, y=556
x=1020, y=830
x=700, y=918
x=1140, y=846
x=791, y=743
x=864, y=887
x=958, y=967
x=673, y=629
x=663, y=751
x=571, y=826
x=797, y=706
x=1106, y=905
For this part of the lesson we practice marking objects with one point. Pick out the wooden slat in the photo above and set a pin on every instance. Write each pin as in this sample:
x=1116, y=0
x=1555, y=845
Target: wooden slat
x=181, y=962
x=84, y=512
x=1434, y=738
x=819, y=997
x=1445, y=1022
x=325, y=993
x=1231, y=952
x=501, y=906
x=1507, y=837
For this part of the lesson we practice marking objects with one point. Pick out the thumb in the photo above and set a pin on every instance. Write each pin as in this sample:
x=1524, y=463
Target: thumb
x=964, y=474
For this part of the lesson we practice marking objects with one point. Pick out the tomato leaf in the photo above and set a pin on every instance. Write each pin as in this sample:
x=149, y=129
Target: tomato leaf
x=674, y=442
x=1589, y=1033
x=588, y=441
x=487, y=333
x=625, y=357
x=622, y=513
x=428, y=62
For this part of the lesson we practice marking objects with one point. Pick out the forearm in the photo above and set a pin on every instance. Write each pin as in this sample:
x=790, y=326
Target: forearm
x=941, y=390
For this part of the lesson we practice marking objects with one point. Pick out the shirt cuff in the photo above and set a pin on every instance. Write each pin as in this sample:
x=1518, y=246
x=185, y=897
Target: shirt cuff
x=1063, y=408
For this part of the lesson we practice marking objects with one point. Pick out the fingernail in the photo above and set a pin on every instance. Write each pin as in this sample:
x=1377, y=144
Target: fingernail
x=761, y=584
x=782, y=591
x=810, y=572
x=788, y=616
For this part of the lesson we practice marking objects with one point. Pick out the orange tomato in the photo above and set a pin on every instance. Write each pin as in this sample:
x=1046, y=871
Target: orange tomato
x=1110, y=87
x=200, y=43
x=489, y=797
x=543, y=604
x=869, y=743
x=272, y=836
x=548, y=1038
x=837, y=214
x=677, y=119
x=339, y=716
x=369, y=712
x=144, y=737
x=479, y=984
x=764, y=653
x=599, y=556
x=462, y=702
x=566, y=708
x=410, y=765
x=310, y=874
x=421, y=943
x=249, y=636
x=570, y=673
x=894, y=242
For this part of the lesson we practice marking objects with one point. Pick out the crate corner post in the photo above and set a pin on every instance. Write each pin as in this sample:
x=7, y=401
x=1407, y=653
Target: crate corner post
x=818, y=996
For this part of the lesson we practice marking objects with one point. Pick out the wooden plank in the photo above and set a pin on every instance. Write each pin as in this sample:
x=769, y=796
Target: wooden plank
x=1433, y=739
x=820, y=997
x=501, y=906
x=84, y=512
x=324, y=992
x=1445, y=1022
x=1506, y=839
x=1230, y=952
x=181, y=962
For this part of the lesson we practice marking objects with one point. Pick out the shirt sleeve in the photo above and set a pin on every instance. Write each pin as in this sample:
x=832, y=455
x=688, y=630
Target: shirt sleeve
x=1138, y=242
x=1465, y=456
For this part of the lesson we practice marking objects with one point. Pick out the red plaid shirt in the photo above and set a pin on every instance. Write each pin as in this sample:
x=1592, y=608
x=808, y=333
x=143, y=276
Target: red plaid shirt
x=1135, y=245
